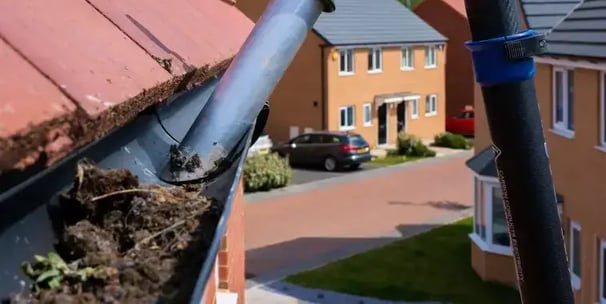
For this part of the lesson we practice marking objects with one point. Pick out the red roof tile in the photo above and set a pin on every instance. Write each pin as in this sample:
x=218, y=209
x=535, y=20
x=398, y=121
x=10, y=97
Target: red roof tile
x=191, y=41
x=27, y=98
x=108, y=58
x=96, y=64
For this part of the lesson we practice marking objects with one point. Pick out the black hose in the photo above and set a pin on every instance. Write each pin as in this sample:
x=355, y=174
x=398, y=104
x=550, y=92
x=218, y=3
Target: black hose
x=505, y=69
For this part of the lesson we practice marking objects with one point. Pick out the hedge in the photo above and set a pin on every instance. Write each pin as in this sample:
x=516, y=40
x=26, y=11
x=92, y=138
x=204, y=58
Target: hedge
x=263, y=172
x=411, y=145
x=450, y=140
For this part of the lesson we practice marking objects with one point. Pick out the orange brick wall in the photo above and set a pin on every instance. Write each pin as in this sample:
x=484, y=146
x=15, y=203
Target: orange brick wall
x=231, y=256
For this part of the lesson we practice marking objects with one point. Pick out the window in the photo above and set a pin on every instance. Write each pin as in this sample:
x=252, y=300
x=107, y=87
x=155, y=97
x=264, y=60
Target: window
x=499, y=231
x=367, y=115
x=346, y=62
x=603, y=109
x=431, y=105
x=490, y=230
x=303, y=139
x=602, y=272
x=575, y=254
x=346, y=118
x=293, y=131
x=563, y=102
x=407, y=62
x=465, y=115
x=375, y=60
x=315, y=139
x=330, y=139
x=414, y=108
x=431, y=59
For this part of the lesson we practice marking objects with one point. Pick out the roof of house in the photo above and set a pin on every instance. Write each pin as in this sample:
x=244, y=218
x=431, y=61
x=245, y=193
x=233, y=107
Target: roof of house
x=361, y=22
x=79, y=69
x=543, y=15
x=457, y=5
x=582, y=33
x=483, y=164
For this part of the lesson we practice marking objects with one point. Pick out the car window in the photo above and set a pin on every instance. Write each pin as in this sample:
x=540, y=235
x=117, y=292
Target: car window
x=465, y=115
x=330, y=139
x=315, y=139
x=357, y=141
x=304, y=139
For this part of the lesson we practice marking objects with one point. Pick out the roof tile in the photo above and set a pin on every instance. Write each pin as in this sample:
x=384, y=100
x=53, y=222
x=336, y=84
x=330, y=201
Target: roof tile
x=79, y=71
x=543, y=15
x=190, y=37
x=582, y=33
x=96, y=64
x=28, y=98
x=361, y=22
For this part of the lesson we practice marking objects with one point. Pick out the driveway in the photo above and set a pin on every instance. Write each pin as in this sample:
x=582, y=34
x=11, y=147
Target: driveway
x=306, y=175
x=322, y=221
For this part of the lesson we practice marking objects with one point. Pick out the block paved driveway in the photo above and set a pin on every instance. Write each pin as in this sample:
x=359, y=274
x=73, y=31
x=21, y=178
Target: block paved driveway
x=290, y=232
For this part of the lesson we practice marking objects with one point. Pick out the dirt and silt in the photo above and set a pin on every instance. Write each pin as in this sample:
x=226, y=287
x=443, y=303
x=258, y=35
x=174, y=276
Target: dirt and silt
x=123, y=242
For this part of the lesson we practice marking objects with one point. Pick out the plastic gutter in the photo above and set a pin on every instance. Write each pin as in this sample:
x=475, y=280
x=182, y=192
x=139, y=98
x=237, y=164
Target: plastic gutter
x=227, y=111
x=27, y=210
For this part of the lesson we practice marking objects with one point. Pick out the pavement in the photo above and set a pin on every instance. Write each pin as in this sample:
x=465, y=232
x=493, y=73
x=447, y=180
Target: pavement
x=285, y=293
x=309, y=225
x=308, y=175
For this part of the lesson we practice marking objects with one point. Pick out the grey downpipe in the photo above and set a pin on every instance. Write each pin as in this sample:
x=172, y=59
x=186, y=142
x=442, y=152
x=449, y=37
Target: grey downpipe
x=246, y=85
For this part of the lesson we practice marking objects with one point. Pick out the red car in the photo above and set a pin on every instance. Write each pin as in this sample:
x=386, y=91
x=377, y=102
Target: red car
x=461, y=124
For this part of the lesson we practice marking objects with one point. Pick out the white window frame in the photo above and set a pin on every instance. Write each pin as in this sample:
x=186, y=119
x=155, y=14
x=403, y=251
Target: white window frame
x=344, y=127
x=601, y=296
x=561, y=128
x=487, y=184
x=575, y=279
x=431, y=56
x=366, y=108
x=375, y=57
x=344, y=54
x=407, y=58
x=432, y=101
x=414, y=109
x=602, y=141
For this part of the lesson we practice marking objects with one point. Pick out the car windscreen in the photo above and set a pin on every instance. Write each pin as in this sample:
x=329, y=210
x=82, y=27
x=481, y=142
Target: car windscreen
x=357, y=141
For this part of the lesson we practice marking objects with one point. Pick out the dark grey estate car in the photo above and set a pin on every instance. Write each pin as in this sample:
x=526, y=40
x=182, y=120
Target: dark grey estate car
x=332, y=150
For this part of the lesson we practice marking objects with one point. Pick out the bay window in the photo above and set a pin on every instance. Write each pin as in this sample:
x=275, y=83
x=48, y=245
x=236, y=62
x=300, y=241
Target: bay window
x=490, y=231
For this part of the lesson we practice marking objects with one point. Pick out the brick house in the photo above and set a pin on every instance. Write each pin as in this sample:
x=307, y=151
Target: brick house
x=450, y=19
x=111, y=99
x=372, y=67
x=570, y=85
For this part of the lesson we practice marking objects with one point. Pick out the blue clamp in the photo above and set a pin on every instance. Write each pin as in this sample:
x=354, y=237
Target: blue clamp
x=506, y=59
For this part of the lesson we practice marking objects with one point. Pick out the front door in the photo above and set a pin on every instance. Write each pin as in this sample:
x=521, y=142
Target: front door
x=401, y=116
x=382, y=117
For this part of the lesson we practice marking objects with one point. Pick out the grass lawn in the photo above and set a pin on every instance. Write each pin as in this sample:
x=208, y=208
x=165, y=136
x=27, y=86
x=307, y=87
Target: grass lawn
x=389, y=160
x=431, y=266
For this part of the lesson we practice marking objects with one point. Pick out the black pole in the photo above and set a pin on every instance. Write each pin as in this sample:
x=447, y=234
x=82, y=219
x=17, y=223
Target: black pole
x=502, y=56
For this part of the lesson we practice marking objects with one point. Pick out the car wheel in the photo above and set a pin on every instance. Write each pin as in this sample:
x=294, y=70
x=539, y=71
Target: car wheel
x=330, y=164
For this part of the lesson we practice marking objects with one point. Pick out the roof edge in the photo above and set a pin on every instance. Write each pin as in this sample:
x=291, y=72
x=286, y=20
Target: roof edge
x=582, y=62
x=390, y=44
x=49, y=142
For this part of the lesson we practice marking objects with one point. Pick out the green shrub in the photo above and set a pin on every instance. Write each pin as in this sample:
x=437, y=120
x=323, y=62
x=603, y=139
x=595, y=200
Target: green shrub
x=411, y=145
x=406, y=142
x=421, y=150
x=453, y=141
x=264, y=172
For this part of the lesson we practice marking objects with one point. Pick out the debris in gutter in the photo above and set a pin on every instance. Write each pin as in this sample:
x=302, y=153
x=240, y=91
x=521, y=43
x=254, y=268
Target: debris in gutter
x=123, y=242
x=179, y=160
x=165, y=63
